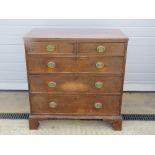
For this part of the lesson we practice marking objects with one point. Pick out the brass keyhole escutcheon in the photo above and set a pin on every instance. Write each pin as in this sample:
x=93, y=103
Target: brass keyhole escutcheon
x=101, y=49
x=52, y=104
x=99, y=84
x=52, y=84
x=50, y=48
x=100, y=65
x=51, y=64
x=98, y=105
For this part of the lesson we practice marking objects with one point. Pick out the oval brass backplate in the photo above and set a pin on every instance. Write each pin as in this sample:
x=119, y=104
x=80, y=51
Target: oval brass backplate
x=52, y=104
x=51, y=64
x=98, y=84
x=98, y=105
x=50, y=48
x=52, y=84
x=99, y=65
x=101, y=49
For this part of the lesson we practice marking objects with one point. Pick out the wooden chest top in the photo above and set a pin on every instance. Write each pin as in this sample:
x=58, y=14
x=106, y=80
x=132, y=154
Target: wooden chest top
x=110, y=35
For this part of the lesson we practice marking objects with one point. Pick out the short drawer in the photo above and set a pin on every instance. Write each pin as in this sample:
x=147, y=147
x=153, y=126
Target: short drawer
x=52, y=47
x=75, y=104
x=49, y=64
x=102, y=49
x=75, y=84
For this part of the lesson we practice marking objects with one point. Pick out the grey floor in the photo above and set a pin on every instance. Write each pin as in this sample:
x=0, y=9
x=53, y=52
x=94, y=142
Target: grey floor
x=133, y=103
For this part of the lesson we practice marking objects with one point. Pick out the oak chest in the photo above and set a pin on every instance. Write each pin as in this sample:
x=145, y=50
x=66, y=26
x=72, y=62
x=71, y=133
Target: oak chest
x=75, y=74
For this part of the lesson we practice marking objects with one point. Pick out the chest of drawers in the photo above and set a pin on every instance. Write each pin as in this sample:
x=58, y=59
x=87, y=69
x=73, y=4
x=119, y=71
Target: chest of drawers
x=75, y=74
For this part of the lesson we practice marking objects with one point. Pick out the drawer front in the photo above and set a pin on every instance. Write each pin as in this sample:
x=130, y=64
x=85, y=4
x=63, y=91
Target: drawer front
x=75, y=104
x=52, y=47
x=75, y=84
x=49, y=64
x=105, y=49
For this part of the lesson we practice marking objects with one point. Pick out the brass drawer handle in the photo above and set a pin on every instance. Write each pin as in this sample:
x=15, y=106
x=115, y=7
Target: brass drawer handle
x=50, y=48
x=101, y=49
x=52, y=84
x=100, y=65
x=52, y=104
x=98, y=84
x=51, y=64
x=98, y=105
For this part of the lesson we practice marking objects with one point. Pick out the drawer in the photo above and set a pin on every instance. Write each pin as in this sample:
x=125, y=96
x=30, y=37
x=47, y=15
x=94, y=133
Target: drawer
x=49, y=64
x=103, y=49
x=75, y=84
x=52, y=47
x=75, y=104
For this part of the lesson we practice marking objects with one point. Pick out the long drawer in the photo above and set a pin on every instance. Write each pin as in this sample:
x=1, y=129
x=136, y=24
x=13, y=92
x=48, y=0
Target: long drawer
x=51, y=64
x=75, y=83
x=75, y=104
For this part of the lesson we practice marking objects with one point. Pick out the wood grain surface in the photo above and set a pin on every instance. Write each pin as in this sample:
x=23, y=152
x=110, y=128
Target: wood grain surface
x=75, y=74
